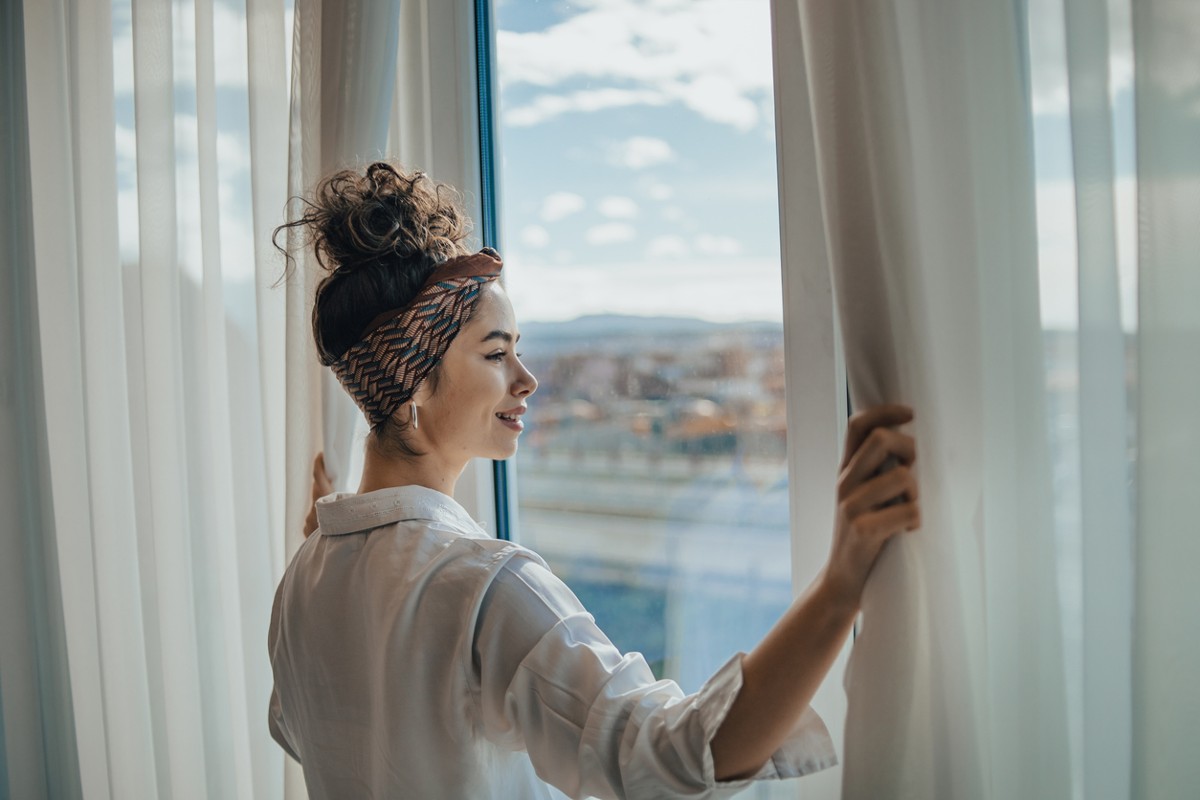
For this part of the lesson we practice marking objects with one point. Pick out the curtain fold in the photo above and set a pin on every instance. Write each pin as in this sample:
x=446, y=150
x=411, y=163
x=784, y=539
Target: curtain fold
x=165, y=470
x=1105, y=516
x=38, y=755
x=1166, y=656
x=814, y=370
x=267, y=95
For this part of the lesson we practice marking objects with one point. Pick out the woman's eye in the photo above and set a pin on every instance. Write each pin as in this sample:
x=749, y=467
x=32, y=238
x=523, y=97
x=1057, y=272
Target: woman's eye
x=497, y=356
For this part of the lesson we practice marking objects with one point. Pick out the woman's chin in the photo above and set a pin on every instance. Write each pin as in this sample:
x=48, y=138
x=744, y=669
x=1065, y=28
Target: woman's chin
x=499, y=451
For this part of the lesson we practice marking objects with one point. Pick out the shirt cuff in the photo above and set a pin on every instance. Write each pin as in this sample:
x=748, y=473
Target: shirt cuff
x=808, y=747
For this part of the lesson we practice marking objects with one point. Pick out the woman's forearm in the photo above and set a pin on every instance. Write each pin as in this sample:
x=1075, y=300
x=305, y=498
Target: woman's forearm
x=780, y=677
x=876, y=499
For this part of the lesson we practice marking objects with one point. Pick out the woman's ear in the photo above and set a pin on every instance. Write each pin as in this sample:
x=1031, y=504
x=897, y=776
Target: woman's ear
x=421, y=395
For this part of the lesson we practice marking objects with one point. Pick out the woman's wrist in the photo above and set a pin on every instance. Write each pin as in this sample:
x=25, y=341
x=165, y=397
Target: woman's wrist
x=842, y=595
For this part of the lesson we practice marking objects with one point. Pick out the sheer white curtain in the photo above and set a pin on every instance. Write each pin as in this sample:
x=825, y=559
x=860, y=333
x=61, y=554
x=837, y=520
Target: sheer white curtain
x=159, y=522
x=168, y=401
x=815, y=371
x=919, y=121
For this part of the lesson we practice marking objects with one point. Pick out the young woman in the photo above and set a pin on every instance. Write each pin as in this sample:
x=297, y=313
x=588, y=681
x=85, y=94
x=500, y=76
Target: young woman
x=414, y=655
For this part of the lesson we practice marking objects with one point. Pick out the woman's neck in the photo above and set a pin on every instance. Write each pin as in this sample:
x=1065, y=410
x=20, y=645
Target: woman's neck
x=381, y=472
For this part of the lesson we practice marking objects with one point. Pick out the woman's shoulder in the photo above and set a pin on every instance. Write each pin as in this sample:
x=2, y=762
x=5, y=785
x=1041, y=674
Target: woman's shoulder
x=459, y=553
x=498, y=557
x=497, y=571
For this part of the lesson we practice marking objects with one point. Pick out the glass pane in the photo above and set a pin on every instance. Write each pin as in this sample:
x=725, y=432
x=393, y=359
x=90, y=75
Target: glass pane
x=640, y=229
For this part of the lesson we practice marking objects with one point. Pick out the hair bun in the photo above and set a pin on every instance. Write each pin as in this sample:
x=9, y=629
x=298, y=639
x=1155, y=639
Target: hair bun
x=357, y=221
x=378, y=234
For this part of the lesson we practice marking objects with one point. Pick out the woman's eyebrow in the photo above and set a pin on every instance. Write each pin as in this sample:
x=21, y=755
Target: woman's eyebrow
x=498, y=334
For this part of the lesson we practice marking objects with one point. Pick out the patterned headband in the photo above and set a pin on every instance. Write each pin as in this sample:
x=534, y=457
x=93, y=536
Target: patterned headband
x=402, y=346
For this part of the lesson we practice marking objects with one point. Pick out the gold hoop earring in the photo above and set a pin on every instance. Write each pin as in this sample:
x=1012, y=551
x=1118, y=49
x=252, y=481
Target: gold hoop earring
x=414, y=415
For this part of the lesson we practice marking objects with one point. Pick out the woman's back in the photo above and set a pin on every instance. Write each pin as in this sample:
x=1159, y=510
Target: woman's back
x=370, y=642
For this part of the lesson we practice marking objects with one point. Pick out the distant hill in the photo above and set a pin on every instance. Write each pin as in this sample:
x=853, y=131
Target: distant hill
x=621, y=331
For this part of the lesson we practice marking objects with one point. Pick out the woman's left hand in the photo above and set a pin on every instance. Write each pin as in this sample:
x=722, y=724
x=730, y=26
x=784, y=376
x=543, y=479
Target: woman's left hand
x=322, y=486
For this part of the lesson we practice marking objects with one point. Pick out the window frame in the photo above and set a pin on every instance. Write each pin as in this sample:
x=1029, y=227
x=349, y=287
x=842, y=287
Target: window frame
x=503, y=483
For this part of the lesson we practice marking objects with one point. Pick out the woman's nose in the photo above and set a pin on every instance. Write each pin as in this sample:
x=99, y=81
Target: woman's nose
x=526, y=383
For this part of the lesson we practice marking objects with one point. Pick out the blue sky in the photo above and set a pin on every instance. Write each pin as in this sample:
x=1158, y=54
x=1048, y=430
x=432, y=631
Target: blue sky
x=638, y=158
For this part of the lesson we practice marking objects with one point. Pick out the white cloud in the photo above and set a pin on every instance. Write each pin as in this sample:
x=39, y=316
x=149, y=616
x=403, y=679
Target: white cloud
x=659, y=191
x=667, y=247
x=548, y=106
x=639, y=152
x=711, y=56
x=675, y=288
x=618, y=207
x=673, y=213
x=718, y=245
x=561, y=204
x=535, y=236
x=609, y=233
x=720, y=99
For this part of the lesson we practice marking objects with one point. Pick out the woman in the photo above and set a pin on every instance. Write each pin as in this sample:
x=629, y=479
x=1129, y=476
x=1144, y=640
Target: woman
x=414, y=655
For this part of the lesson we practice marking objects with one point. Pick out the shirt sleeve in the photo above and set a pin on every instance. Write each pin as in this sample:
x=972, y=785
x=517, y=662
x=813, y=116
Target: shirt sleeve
x=596, y=722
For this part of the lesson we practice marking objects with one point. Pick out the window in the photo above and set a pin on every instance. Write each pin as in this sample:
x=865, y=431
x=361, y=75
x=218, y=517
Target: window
x=639, y=220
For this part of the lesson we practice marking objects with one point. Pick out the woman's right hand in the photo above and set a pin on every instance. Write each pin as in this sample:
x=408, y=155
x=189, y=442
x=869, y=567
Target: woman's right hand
x=872, y=506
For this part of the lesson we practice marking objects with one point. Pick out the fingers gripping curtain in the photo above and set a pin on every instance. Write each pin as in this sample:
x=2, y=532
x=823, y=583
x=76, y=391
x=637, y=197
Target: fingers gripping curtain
x=926, y=183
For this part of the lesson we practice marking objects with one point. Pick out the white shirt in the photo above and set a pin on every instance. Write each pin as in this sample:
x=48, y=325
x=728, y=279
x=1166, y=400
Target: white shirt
x=416, y=656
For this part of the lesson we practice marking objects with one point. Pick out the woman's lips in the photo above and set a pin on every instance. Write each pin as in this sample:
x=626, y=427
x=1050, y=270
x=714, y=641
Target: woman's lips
x=515, y=424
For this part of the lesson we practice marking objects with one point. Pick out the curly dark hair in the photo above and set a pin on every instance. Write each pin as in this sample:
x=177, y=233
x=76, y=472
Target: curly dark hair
x=379, y=234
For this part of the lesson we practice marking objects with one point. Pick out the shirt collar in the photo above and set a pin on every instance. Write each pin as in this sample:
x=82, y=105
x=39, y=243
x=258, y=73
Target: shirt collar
x=347, y=512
